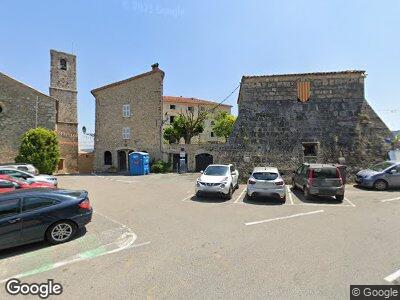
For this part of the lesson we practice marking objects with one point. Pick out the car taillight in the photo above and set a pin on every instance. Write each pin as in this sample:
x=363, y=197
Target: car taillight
x=252, y=181
x=311, y=176
x=338, y=175
x=279, y=182
x=85, y=204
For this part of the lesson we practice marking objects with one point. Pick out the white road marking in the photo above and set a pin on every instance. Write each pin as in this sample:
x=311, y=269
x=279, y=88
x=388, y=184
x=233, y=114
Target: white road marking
x=352, y=204
x=321, y=204
x=187, y=198
x=126, y=181
x=289, y=192
x=284, y=218
x=389, y=200
x=110, y=219
x=240, y=195
x=393, y=277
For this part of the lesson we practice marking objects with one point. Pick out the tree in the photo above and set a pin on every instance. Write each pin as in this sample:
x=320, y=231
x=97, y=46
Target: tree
x=185, y=126
x=40, y=147
x=223, y=125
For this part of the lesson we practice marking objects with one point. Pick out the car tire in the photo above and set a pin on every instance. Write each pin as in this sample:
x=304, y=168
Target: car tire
x=380, y=185
x=229, y=195
x=61, y=232
x=307, y=194
x=198, y=194
x=294, y=186
x=283, y=200
x=339, y=198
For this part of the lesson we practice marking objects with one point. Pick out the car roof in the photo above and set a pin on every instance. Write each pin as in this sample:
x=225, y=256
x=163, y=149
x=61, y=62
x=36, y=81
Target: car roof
x=16, y=170
x=265, y=169
x=220, y=165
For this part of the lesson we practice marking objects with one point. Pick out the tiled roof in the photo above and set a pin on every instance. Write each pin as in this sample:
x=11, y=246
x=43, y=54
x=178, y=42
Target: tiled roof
x=307, y=74
x=155, y=70
x=195, y=101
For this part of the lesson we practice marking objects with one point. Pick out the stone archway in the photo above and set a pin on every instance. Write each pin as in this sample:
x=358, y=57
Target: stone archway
x=122, y=161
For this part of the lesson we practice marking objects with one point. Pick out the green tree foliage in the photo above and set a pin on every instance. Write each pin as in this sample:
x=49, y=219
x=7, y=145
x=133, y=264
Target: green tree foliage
x=40, y=147
x=160, y=166
x=185, y=126
x=223, y=124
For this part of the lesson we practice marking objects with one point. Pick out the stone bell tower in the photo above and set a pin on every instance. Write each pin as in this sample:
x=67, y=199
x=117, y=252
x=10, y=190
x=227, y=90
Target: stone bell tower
x=63, y=88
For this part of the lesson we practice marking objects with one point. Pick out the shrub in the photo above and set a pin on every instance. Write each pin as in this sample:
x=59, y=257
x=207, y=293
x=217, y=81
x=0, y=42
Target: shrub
x=160, y=166
x=40, y=147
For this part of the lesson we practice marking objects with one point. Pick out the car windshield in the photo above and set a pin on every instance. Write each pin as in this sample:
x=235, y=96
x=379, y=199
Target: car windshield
x=324, y=173
x=265, y=176
x=216, y=170
x=382, y=166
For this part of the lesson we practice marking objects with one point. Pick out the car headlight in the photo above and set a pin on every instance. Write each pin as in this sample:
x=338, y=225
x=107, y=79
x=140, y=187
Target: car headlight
x=225, y=180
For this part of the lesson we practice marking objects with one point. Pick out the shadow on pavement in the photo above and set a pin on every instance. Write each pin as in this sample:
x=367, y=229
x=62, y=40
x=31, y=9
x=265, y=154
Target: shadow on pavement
x=23, y=249
x=259, y=200
x=211, y=198
x=315, y=199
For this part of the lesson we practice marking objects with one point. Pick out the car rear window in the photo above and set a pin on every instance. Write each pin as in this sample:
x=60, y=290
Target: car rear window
x=265, y=176
x=325, y=173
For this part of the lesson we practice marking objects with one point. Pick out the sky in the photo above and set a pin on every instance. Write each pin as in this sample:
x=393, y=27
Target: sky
x=204, y=47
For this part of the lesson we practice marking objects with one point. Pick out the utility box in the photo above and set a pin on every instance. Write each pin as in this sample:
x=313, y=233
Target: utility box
x=139, y=163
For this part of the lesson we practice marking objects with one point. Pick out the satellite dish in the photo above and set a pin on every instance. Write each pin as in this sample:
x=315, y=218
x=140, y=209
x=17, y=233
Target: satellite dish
x=84, y=129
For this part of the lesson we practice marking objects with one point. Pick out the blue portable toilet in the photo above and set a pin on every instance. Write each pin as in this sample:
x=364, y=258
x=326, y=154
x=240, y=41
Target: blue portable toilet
x=139, y=163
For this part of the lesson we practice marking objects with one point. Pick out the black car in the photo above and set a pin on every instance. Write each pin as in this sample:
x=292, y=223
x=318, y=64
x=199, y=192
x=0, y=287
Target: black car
x=55, y=215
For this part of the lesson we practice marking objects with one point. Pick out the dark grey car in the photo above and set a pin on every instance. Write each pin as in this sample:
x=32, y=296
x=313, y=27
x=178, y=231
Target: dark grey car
x=319, y=180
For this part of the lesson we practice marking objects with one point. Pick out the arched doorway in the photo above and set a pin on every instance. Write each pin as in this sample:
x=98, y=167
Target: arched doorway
x=122, y=166
x=202, y=161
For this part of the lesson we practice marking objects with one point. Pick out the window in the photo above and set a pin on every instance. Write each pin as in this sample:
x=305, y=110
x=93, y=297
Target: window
x=63, y=64
x=107, y=158
x=265, y=176
x=32, y=203
x=172, y=106
x=190, y=108
x=212, y=134
x=126, y=110
x=126, y=133
x=9, y=207
x=171, y=119
x=310, y=149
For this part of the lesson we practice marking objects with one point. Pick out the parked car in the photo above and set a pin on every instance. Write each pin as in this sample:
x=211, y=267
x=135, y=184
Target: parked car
x=22, y=167
x=381, y=176
x=266, y=181
x=218, y=179
x=24, y=184
x=32, y=215
x=319, y=180
x=29, y=177
x=6, y=186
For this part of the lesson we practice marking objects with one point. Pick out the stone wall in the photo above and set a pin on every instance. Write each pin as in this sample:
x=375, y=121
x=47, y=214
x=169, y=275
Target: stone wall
x=144, y=95
x=68, y=137
x=22, y=108
x=273, y=126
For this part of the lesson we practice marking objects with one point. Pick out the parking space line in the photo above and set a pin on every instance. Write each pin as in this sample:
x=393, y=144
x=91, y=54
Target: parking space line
x=289, y=192
x=187, y=198
x=322, y=204
x=284, y=218
x=351, y=203
x=393, y=277
x=240, y=196
x=389, y=200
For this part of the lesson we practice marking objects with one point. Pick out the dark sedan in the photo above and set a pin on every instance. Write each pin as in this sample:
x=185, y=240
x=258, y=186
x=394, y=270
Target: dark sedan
x=55, y=215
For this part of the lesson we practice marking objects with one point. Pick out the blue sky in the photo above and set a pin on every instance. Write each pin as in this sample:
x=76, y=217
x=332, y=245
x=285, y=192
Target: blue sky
x=204, y=47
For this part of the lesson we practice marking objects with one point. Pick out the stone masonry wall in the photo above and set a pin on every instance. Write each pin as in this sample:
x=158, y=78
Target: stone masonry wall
x=272, y=124
x=18, y=114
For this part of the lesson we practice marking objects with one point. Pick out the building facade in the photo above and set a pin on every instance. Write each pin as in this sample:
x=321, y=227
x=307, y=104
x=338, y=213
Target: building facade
x=285, y=120
x=128, y=118
x=23, y=107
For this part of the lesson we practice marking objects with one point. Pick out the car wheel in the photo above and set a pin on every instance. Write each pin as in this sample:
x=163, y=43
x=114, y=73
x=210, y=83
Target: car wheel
x=380, y=185
x=307, y=194
x=61, y=232
x=339, y=198
x=198, y=194
x=294, y=186
x=283, y=200
x=229, y=195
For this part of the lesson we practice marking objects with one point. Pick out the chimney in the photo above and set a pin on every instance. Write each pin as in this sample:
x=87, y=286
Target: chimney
x=154, y=67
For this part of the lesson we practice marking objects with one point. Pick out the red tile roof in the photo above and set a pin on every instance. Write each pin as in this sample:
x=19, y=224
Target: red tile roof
x=194, y=101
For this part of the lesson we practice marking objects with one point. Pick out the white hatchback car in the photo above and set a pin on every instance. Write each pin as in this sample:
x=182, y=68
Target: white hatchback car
x=266, y=181
x=218, y=179
x=29, y=177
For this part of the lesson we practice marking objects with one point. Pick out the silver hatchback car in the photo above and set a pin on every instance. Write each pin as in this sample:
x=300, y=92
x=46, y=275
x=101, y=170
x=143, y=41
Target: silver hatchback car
x=266, y=181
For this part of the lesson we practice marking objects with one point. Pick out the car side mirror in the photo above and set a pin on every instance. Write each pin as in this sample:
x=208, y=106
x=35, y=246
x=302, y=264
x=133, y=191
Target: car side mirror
x=282, y=173
x=393, y=171
x=201, y=172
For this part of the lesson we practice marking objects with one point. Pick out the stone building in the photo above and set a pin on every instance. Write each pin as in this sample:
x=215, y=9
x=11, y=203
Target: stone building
x=131, y=116
x=128, y=118
x=23, y=107
x=285, y=120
